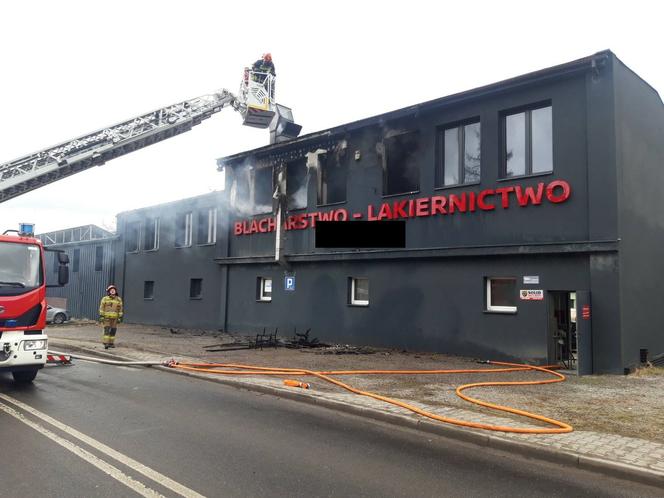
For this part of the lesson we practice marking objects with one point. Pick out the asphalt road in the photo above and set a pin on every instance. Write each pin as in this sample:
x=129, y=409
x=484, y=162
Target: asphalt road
x=92, y=430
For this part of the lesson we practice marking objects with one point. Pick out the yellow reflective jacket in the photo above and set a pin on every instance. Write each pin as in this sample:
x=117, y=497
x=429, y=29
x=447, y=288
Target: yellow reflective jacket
x=110, y=307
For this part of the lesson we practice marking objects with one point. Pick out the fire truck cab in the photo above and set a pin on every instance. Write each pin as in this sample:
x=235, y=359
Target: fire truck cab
x=23, y=342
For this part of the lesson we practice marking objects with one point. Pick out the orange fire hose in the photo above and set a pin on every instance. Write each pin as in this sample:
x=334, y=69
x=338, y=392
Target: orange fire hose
x=559, y=427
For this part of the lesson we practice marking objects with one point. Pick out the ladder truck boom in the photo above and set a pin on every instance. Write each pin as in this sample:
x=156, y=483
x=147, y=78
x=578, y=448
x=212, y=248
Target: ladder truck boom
x=35, y=170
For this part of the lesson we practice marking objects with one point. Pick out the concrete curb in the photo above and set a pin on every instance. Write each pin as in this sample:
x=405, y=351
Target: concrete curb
x=598, y=465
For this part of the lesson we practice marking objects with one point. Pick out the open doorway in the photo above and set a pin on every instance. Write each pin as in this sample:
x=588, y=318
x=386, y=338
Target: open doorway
x=562, y=337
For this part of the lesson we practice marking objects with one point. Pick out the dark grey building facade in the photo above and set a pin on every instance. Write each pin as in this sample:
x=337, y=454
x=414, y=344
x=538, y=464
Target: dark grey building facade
x=167, y=253
x=91, y=252
x=532, y=224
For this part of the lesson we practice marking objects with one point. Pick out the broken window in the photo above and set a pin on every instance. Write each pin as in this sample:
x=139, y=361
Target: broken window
x=151, y=234
x=459, y=155
x=332, y=175
x=401, y=172
x=132, y=236
x=263, y=190
x=296, y=183
x=207, y=226
x=183, y=230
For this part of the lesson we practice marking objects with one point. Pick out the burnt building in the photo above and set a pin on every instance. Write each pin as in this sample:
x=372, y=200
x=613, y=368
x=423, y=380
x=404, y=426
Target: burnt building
x=532, y=227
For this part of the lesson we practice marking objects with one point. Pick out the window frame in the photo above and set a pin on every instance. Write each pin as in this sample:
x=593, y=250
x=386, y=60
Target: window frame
x=499, y=309
x=439, y=180
x=528, y=138
x=210, y=219
x=188, y=229
x=260, y=289
x=155, y=239
x=353, y=300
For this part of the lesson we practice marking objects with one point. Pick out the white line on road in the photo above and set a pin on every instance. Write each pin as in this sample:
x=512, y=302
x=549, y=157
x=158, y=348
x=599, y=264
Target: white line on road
x=102, y=465
x=120, y=457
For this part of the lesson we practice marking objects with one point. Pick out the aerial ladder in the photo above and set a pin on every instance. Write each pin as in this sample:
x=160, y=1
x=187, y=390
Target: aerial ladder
x=255, y=102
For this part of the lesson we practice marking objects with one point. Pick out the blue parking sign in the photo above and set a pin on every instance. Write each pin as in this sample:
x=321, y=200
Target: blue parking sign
x=289, y=283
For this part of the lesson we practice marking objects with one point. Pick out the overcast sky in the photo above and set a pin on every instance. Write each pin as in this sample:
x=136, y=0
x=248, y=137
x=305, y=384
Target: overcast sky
x=69, y=68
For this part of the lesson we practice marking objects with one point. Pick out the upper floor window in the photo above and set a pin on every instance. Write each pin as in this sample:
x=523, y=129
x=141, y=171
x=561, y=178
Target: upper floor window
x=332, y=174
x=263, y=190
x=151, y=234
x=296, y=183
x=459, y=155
x=401, y=172
x=207, y=226
x=528, y=142
x=183, y=230
x=77, y=260
x=99, y=258
x=132, y=236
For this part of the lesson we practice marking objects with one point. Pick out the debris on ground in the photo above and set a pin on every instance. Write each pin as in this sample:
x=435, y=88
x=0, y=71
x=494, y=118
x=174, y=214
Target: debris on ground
x=266, y=340
x=346, y=349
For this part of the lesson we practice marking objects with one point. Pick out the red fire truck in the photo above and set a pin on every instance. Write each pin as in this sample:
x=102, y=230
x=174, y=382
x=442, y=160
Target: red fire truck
x=23, y=342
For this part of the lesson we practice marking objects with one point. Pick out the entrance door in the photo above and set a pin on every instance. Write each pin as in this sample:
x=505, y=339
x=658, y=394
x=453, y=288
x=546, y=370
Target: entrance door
x=562, y=346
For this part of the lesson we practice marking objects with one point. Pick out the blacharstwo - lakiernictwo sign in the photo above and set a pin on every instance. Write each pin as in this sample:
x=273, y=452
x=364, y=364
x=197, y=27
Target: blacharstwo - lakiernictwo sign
x=555, y=192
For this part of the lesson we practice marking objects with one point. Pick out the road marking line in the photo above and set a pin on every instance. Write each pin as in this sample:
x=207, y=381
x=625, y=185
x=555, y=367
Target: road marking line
x=120, y=457
x=102, y=465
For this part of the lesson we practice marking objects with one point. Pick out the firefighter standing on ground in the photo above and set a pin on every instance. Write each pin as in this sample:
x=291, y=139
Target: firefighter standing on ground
x=110, y=314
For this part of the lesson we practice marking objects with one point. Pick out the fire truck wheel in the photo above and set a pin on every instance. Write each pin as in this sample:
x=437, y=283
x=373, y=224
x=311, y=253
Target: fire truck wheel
x=25, y=376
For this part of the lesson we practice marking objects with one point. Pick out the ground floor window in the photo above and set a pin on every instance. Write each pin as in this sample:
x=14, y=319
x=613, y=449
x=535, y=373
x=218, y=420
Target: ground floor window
x=264, y=288
x=195, y=288
x=501, y=294
x=148, y=289
x=359, y=291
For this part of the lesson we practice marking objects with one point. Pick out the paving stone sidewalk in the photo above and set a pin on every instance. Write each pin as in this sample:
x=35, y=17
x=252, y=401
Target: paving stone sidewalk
x=633, y=458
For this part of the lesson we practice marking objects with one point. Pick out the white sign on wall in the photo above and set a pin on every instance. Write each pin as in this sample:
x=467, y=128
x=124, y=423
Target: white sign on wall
x=531, y=279
x=531, y=294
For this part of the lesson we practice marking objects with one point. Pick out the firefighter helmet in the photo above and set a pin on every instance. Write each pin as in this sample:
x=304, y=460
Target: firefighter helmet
x=112, y=286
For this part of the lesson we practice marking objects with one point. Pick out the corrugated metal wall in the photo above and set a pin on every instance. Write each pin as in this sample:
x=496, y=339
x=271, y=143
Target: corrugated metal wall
x=87, y=285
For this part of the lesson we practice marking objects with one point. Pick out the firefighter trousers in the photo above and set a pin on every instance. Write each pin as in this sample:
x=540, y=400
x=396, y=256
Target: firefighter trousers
x=110, y=328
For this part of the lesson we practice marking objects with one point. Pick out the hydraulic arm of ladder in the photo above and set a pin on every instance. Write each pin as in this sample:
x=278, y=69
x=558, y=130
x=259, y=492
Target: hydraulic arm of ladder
x=49, y=165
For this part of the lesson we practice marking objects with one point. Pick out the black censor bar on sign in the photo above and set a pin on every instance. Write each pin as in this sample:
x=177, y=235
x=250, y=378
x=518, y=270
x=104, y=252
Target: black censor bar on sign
x=361, y=234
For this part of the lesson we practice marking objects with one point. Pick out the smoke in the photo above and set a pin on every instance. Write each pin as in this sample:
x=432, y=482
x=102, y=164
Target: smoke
x=250, y=192
x=299, y=198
